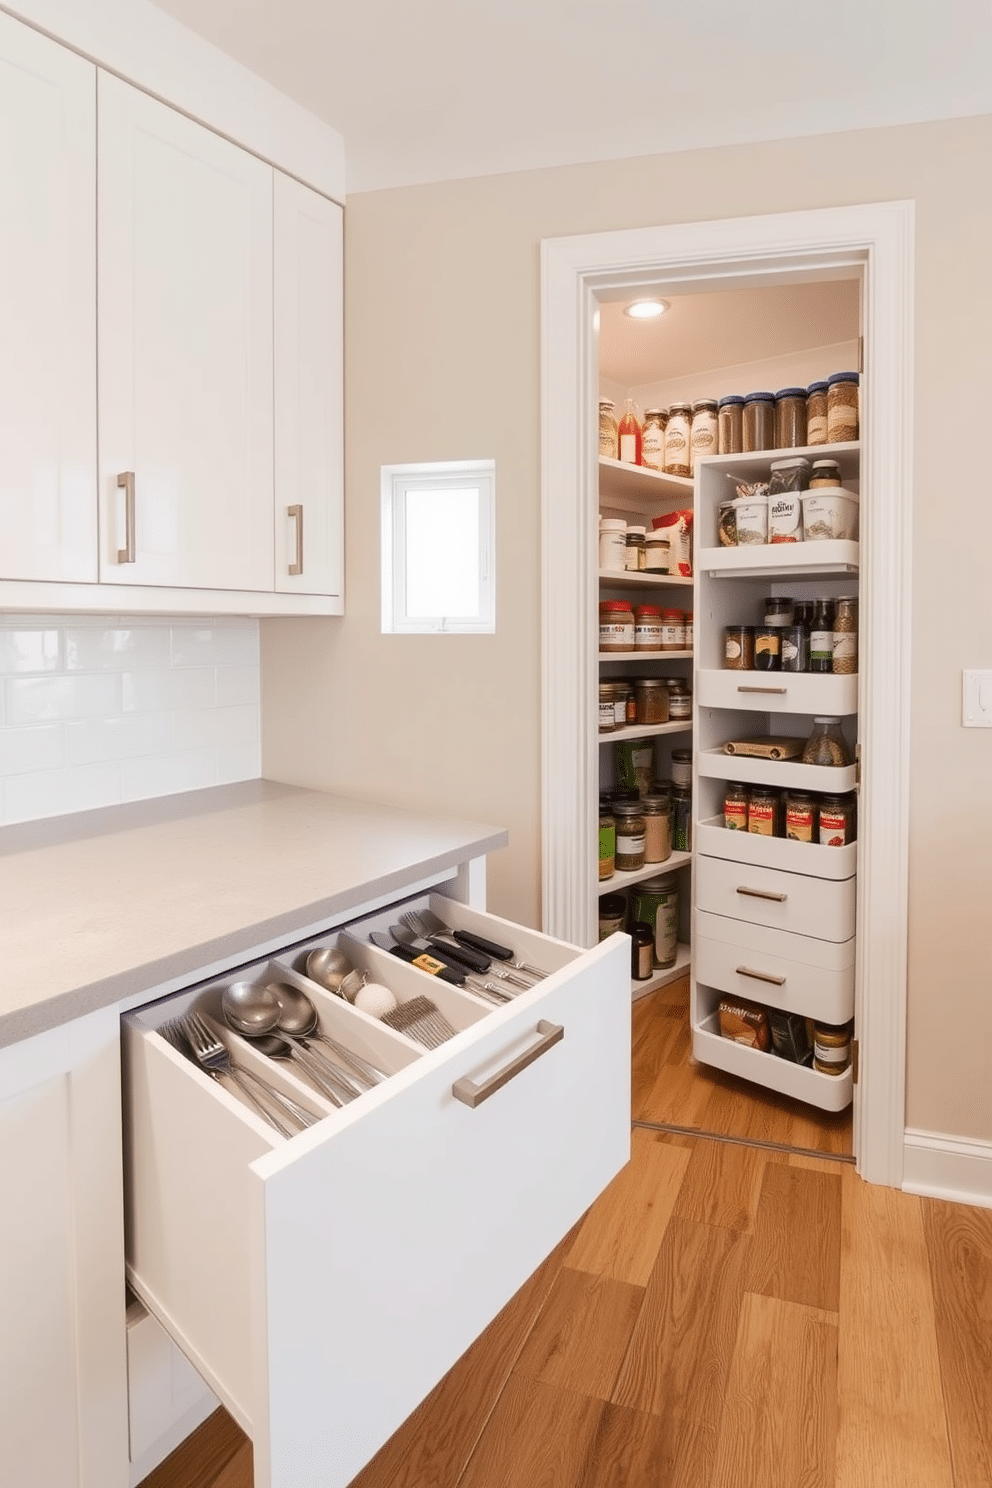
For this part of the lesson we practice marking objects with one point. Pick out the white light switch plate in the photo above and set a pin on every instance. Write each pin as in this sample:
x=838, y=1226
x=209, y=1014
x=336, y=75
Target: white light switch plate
x=976, y=699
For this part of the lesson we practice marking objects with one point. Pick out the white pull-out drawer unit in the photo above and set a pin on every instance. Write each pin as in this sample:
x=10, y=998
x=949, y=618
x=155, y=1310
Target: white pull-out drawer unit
x=322, y=1284
x=822, y=908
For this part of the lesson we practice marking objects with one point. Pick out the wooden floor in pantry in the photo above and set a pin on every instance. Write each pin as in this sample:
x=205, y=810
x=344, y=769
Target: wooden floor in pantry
x=737, y=1310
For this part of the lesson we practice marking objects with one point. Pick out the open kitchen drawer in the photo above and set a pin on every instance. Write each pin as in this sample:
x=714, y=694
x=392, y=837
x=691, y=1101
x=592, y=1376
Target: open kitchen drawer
x=322, y=1284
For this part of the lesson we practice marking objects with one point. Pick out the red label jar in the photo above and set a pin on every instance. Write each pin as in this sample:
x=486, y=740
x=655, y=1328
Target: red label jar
x=648, y=628
x=672, y=630
x=616, y=625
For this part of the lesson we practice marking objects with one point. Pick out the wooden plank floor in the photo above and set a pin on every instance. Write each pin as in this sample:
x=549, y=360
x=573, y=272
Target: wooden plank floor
x=726, y=1315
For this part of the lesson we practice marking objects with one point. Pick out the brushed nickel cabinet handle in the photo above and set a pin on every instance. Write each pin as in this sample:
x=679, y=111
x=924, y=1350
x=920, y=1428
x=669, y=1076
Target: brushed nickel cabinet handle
x=778, y=691
x=761, y=976
x=126, y=553
x=297, y=512
x=763, y=894
x=472, y=1094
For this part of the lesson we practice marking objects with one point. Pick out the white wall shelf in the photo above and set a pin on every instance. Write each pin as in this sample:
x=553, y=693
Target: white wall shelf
x=617, y=578
x=646, y=731
x=781, y=560
x=809, y=859
x=637, y=488
x=714, y=764
x=620, y=881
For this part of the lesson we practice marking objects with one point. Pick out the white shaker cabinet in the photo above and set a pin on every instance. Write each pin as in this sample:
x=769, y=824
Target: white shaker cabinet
x=47, y=309
x=185, y=351
x=63, y=1407
x=309, y=391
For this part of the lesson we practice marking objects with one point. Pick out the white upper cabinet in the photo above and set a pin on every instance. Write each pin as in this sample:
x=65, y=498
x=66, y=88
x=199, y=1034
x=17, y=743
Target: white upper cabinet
x=47, y=310
x=309, y=395
x=185, y=295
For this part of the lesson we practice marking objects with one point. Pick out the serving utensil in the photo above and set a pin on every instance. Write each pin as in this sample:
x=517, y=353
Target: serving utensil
x=327, y=967
x=298, y=1015
x=252, y=1009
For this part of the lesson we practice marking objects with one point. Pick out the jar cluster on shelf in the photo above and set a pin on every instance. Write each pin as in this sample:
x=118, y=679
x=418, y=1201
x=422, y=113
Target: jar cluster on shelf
x=671, y=439
x=624, y=627
x=815, y=635
x=663, y=548
x=802, y=501
x=644, y=819
x=642, y=701
x=825, y=1047
x=649, y=913
x=800, y=815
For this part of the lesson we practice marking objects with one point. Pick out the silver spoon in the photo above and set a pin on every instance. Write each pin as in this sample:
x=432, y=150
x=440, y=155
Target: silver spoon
x=327, y=967
x=298, y=1016
x=252, y=1009
x=275, y=1047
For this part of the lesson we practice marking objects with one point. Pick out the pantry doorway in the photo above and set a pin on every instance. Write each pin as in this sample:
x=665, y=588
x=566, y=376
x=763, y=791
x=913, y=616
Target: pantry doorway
x=577, y=273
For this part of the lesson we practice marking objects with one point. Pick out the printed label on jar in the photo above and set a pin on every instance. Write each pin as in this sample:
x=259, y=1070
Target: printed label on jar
x=653, y=447
x=767, y=644
x=649, y=635
x=833, y=827
x=799, y=823
x=835, y=1054
x=845, y=645
x=675, y=440
x=630, y=847
x=628, y=448
x=735, y=816
x=607, y=714
x=790, y=654
x=816, y=428
x=616, y=633
x=761, y=818
x=703, y=440
x=821, y=645
x=734, y=649
x=673, y=637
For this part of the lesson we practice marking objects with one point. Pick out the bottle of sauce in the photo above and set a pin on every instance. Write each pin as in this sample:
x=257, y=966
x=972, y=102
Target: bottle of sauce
x=630, y=435
x=821, y=637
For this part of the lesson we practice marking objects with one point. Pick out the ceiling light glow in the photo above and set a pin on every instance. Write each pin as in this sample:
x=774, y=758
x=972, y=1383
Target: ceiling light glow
x=645, y=309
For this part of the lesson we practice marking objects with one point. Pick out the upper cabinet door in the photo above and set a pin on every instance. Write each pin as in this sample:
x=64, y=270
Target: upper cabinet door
x=308, y=391
x=185, y=350
x=47, y=309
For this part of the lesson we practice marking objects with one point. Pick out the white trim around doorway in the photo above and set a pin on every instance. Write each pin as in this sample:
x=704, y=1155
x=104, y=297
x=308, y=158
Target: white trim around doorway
x=743, y=252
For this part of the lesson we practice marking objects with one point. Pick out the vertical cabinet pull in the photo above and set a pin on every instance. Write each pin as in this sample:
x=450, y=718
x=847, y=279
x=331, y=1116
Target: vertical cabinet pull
x=297, y=513
x=472, y=1094
x=126, y=479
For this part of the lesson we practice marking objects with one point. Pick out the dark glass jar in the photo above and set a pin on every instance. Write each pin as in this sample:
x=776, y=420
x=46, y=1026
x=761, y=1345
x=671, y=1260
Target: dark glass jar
x=730, y=424
x=821, y=636
x=681, y=818
x=612, y=914
x=641, y=951
x=607, y=843
x=790, y=418
x=759, y=422
x=795, y=648
x=767, y=648
x=816, y=413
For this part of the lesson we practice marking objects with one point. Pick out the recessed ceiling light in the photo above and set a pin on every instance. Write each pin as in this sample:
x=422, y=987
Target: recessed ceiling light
x=645, y=309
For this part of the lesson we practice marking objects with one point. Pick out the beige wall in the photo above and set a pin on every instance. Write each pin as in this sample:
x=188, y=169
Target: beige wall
x=442, y=362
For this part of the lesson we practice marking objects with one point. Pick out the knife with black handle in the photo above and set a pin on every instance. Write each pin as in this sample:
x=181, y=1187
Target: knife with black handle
x=463, y=954
x=430, y=964
x=487, y=947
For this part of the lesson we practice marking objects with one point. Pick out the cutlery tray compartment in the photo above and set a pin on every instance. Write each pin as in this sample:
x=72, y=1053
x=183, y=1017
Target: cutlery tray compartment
x=322, y=1284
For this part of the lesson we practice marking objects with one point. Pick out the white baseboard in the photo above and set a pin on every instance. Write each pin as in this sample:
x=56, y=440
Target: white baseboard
x=948, y=1168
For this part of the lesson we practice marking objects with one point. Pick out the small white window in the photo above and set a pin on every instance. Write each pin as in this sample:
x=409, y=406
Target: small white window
x=438, y=547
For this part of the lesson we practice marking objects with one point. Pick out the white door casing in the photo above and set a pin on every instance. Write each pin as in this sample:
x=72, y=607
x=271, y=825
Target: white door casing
x=748, y=251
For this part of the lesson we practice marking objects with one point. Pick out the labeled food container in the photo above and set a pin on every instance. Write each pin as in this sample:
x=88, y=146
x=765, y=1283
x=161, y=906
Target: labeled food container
x=641, y=951
x=649, y=628
x=677, y=527
x=612, y=543
x=653, y=439
x=616, y=625
x=607, y=842
x=672, y=630
x=759, y=422
x=657, y=809
x=635, y=765
x=789, y=475
x=656, y=903
x=831, y=1047
x=751, y=519
x=739, y=647
x=744, y=1022
x=816, y=413
x=678, y=436
x=607, y=429
x=657, y=551
x=842, y=407
x=650, y=700
x=634, y=559
x=829, y=514
x=612, y=914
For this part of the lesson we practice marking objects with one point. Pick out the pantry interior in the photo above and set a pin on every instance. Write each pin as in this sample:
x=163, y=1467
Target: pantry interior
x=730, y=938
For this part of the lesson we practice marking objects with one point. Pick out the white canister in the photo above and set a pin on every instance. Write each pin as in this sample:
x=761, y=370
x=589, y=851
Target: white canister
x=612, y=544
x=752, y=519
x=785, y=517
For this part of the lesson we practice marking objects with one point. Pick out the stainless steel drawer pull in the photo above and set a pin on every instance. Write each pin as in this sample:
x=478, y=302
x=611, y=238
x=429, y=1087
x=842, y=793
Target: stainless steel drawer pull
x=761, y=976
x=778, y=691
x=126, y=553
x=471, y=1094
x=763, y=894
x=297, y=512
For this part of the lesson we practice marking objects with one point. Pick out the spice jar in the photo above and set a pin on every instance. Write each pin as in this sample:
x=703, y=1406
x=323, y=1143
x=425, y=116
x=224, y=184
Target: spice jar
x=634, y=550
x=607, y=719
x=738, y=647
x=607, y=843
x=689, y=632
x=656, y=903
x=821, y=636
x=730, y=425
x=657, y=550
x=612, y=543
x=790, y=418
x=648, y=628
x=767, y=647
x=679, y=699
x=629, y=435
x=763, y=811
x=612, y=914
x=842, y=407
x=778, y=610
x=816, y=413
x=845, y=644
x=653, y=439
x=831, y=1047
x=616, y=625
x=703, y=430
x=759, y=422
x=826, y=745
x=824, y=473
x=672, y=630
x=650, y=700
x=641, y=951
x=682, y=767
x=735, y=805
x=837, y=820
x=681, y=818
x=657, y=811
x=607, y=429
x=678, y=439
x=630, y=835
x=625, y=711
x=795, y=648
x=800, y=816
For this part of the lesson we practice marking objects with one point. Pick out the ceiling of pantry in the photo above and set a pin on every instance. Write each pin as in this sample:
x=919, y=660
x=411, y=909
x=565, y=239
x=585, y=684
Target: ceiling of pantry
x=440, y=89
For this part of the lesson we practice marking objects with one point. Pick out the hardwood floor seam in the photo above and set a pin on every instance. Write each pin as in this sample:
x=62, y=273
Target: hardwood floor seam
x=712, y=1136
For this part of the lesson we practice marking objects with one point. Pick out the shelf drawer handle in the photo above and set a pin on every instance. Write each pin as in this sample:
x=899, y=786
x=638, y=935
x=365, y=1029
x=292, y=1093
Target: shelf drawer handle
x=763, y=894
x=126, y=553
x=761, y=976
x=471, y=1094
x=297, y=512
x=778, y=691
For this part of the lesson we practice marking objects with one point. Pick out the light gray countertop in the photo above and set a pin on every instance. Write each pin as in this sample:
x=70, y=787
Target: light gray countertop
x=97, y=907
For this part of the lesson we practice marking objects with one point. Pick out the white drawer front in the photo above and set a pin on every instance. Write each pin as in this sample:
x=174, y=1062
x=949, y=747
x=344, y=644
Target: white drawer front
x=777, y=692
x=821, y=908
x=778, y=981
x=323, y=1284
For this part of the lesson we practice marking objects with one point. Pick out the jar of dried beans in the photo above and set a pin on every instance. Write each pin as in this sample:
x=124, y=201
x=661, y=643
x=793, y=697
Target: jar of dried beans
x=842, y=407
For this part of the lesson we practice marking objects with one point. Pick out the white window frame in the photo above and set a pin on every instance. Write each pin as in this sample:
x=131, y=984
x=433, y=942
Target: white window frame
x=396, y=482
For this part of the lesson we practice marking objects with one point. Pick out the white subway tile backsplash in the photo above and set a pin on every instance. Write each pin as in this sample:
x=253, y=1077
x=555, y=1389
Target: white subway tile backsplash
x=100, y=709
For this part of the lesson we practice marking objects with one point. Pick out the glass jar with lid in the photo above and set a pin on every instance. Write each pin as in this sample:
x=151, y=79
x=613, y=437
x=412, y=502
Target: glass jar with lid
x=657, y=551
x=759, y=421
x=824, y=473
x=607, y=715
x=672, y=630
x=657, y=809
x=736, y=798
x=679, y=699
x=648, y=628
x=616, y=625
x=826, y=744
x=816, y=413
x=634, y=555
x=681, y=818
x=678, y=440
x=763, y=811
x=800, y=816
x=613, y=544
x=845, y=655
x=607, y=429
x=703, y=435
x=607, y=842
x=650, y=700
x=630, y=835
x=842, y=407
x=790, y=418
x=612, y=914
x=653, y=438
x=730, y=424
